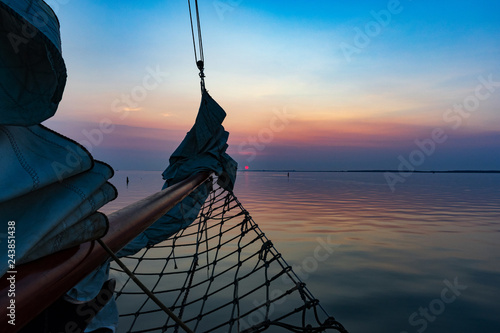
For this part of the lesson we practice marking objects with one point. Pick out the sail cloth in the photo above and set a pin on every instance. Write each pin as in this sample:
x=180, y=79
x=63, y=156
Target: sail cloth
x=203, y=149
x=33, y=157
x=32, y=70
x=49, y=186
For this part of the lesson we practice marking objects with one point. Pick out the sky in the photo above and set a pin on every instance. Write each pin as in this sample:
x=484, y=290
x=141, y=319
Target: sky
x=307, y=85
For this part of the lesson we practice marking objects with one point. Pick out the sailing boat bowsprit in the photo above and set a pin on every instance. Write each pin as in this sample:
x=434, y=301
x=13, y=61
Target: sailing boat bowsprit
x=187, y=258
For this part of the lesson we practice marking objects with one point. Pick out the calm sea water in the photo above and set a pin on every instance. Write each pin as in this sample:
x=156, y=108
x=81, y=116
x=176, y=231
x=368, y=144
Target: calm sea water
x=425, y=258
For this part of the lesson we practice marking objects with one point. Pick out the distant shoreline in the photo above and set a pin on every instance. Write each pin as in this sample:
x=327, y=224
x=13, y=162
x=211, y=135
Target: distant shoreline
x=379, y=171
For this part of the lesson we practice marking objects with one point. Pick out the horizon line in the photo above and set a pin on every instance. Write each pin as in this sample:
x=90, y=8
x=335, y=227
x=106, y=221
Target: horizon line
x=376, y=170
x=364, y=170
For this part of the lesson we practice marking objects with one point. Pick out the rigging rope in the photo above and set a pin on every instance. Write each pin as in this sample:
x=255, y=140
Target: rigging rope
x=143, y=287
x=200, y=62
x=244, y=285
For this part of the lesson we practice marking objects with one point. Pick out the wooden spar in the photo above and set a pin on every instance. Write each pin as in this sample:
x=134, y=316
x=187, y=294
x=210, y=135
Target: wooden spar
x=40, y=283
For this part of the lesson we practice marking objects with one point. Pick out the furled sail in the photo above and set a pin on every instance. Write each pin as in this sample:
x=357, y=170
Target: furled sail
x=50, y=186
x=203, y=149
x=32, y=70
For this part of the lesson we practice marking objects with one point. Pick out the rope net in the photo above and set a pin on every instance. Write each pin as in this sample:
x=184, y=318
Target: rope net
x=220, y=274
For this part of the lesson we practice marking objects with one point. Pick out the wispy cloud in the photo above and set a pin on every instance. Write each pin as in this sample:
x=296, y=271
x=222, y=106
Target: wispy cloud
x=132, y=109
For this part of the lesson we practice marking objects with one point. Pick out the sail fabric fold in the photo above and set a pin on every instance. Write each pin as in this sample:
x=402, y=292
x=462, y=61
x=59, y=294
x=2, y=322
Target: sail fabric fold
x=87, y=289
x=67, y=235
x=33, y=157
x=32, y=70
x=50, y=186
x=57, y=207
x=204, y=148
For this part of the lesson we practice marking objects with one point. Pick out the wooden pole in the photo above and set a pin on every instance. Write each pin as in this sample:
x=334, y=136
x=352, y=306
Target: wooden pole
x=40, y=283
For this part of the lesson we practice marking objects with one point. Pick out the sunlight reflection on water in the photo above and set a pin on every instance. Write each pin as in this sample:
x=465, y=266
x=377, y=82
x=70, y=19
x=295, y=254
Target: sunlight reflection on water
x=394, y=249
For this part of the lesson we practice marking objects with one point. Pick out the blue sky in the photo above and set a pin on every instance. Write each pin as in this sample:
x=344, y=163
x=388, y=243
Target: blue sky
x=360, y=109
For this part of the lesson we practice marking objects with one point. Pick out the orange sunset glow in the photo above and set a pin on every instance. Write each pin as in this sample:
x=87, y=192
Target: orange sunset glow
x=284, y=86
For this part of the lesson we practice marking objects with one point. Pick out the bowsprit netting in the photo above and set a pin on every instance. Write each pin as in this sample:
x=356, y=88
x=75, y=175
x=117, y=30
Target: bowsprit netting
x=220, y=274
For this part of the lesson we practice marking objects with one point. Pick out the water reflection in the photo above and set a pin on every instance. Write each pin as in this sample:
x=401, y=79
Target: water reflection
x=396, y=249
x=392, y=251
